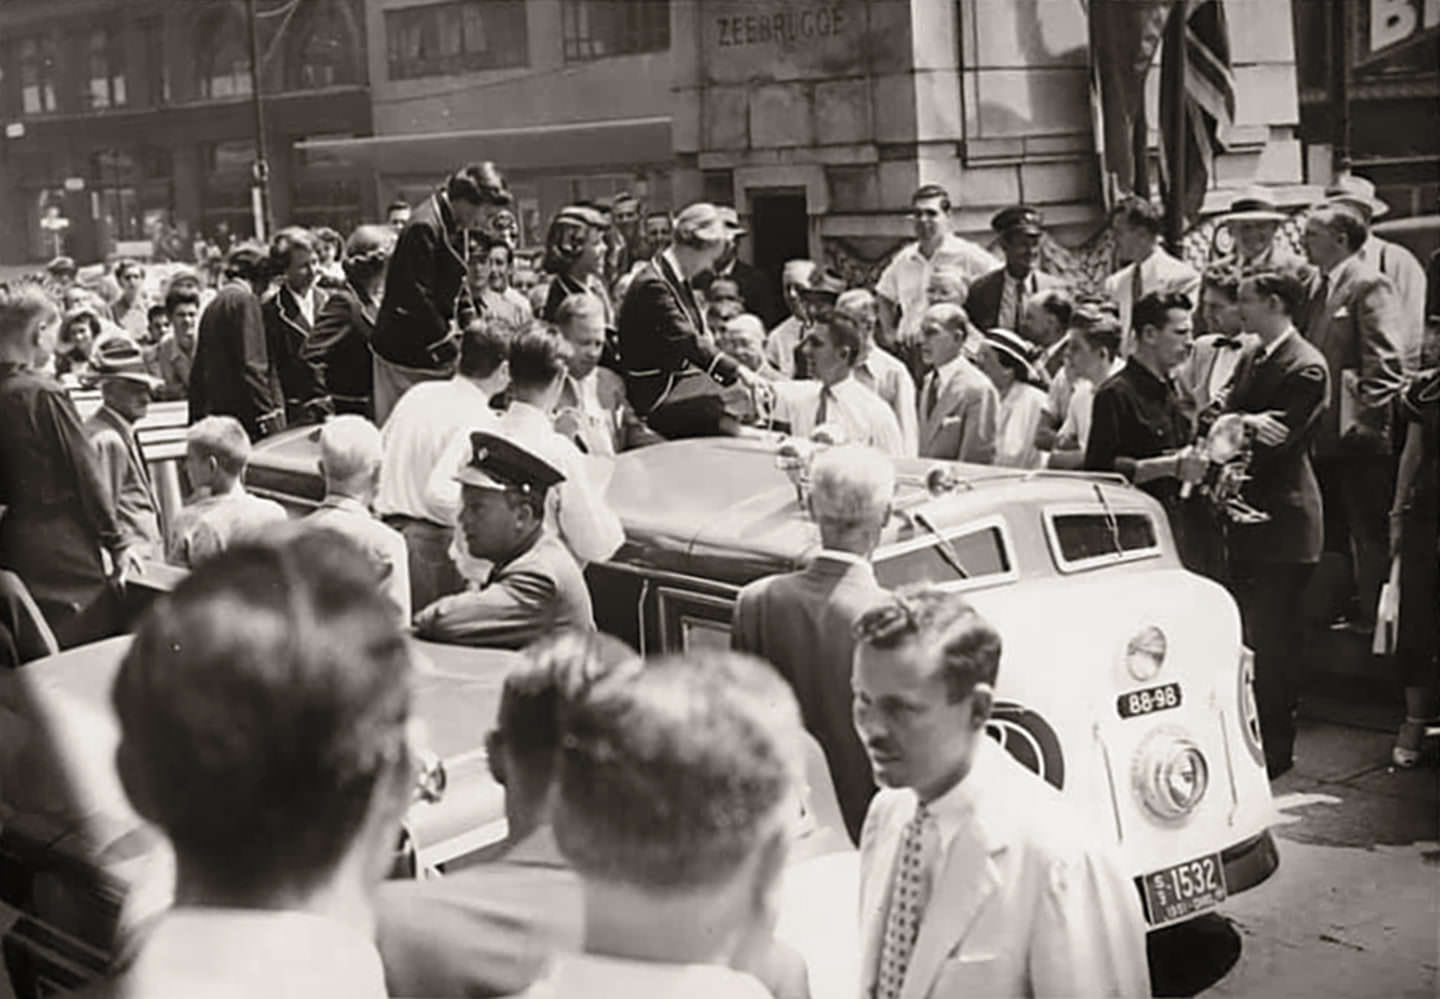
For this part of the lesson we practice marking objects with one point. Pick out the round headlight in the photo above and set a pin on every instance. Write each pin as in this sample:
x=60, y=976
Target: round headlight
x=1171, y=775
x=1145, y=653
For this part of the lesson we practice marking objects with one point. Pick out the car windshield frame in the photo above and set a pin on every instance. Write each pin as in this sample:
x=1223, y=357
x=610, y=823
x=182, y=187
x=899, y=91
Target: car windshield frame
x=925, y=538
x=1105, y=510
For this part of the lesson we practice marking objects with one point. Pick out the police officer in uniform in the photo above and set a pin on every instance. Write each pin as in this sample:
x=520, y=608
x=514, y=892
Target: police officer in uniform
x=535, y=586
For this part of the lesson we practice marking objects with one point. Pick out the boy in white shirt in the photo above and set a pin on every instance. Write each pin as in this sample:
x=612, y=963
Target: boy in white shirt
x=1091, y=356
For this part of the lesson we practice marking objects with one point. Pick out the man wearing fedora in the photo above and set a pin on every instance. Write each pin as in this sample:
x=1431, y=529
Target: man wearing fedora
x=125, y=388
x=1254, y=221
x=998, y=298
x=1389, y=258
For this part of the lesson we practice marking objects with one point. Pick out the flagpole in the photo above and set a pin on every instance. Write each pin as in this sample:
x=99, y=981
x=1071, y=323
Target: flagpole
x=1180, y=127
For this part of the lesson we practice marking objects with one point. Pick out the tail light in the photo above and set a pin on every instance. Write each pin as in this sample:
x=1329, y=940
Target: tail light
x=1171, y=774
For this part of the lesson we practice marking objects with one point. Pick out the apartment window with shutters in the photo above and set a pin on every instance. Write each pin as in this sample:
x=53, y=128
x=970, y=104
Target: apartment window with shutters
x=38, y=73
x=103, y=82
x=597, y=29
x=440, y=39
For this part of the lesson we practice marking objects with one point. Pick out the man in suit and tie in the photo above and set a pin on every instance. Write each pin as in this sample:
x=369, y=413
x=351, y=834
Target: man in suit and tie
x=672, y=365
x=1253, y=222
x=998, y=298
x=1137, y=224
x=802, y=621
x=1217, y=351
x=974, y=878
x=959, y=407
x=592, y=409
x=125, y=388
x=1389, y=258
x=1281, y=387
x=1356, y=321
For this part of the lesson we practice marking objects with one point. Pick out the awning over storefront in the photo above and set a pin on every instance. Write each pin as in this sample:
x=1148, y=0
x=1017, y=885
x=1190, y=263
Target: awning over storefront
x=617, y=142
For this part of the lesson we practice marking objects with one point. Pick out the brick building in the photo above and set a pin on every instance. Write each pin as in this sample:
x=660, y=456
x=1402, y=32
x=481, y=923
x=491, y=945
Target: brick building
x=128, y=116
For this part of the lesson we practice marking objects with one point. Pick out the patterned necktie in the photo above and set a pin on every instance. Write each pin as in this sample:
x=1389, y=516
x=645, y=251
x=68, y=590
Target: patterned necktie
x=909, y=891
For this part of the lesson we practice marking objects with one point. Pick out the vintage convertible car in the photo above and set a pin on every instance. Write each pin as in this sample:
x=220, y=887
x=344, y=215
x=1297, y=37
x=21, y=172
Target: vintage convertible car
x=1124, y=679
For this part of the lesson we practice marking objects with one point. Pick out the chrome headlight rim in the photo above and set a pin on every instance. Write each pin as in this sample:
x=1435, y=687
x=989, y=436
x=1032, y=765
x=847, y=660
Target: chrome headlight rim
x=1164, y=763
x=1145, y=652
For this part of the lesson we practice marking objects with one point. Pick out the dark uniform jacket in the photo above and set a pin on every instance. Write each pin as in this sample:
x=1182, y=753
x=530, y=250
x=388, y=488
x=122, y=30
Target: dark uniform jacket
x=1294, y=381
x=982, y=304
x=663, y=339
x=286, y=333
x=59, y=513
x=233, y=373
x=426, y=273
x=526, y=598
x=801, y=622
x=337, y=355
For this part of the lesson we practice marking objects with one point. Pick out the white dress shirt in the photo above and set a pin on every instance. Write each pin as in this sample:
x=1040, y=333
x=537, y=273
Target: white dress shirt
x=864, y=416
x=1158, y=272
x=202, y=953
x=904, y=279
x=414, y=436
x=575, y=509
x=886, y=375
x=596, y=977
x=601, y=425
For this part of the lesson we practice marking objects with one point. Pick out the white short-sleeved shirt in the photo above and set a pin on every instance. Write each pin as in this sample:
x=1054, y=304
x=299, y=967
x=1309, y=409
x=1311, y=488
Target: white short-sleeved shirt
x=904, y=279
x=865, y=417
x=415, y=434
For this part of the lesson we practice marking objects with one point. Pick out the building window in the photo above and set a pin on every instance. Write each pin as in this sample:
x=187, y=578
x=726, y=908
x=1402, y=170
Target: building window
x=223, y=43
x=456, y=37
x=594, y=29
x=156, y=64
x=38, y=72
x=326, y=47
x=103, y=83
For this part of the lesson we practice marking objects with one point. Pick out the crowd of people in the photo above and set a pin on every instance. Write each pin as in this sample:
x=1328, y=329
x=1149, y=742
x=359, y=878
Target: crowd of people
x=470, y=403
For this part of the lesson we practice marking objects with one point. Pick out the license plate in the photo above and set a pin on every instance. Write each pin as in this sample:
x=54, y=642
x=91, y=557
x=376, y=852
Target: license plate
x=1185, y=889
x=1148, y=701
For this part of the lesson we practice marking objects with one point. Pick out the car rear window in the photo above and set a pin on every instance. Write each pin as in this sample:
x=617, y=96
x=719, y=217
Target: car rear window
x=980, y=552
x=1082, y=537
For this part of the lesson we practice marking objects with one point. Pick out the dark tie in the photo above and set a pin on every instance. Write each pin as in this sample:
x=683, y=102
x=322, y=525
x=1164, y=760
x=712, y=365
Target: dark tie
x=1137, y=285
x=823, y=410
x=1228, y=342
x=932, y=394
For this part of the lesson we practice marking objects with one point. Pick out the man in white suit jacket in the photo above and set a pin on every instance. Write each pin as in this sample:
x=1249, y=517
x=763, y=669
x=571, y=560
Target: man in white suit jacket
x=1137, y=224
x=959, y=407
x=974, y=878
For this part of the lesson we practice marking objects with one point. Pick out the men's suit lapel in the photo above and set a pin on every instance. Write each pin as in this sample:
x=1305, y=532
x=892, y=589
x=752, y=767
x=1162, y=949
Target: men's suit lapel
x=967, y=879
x=132, y=445
x=682, y=290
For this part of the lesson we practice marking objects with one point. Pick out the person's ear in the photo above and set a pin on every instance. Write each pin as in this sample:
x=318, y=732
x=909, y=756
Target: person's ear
x=982, y=702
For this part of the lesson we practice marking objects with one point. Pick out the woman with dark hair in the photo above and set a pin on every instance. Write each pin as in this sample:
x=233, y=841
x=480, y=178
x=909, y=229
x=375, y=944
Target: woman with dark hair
x=576, y=250
x=329, y=250
x=290, y=314
x=414, y=340
x=79, y=331
x=337, y=356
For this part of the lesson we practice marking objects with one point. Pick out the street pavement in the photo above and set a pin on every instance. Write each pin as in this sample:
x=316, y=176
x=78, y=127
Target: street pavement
x=1354, y=908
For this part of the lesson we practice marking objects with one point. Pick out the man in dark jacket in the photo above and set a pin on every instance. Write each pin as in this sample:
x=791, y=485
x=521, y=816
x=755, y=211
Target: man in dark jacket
x=1282, y=387
x=672, y=365
x=414, y=341
x=234, y=373
x=997, y=299
x=290, y=315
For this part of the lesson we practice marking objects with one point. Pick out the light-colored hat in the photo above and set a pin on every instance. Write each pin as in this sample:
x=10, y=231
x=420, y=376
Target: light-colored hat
x=1014, y=346
x=116, y=355
x=1352, y=190
x=703, y=222
x=1254, y=205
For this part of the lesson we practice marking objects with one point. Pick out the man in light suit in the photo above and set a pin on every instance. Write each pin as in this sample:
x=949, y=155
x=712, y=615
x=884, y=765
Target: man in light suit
x=1137, y=225
x=999, y=298
x=592, y=409
x=975, y=880
x=959, y=406
x=1355, y=320
x=126, y=388
x=802, y=621
x=1389, y=258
